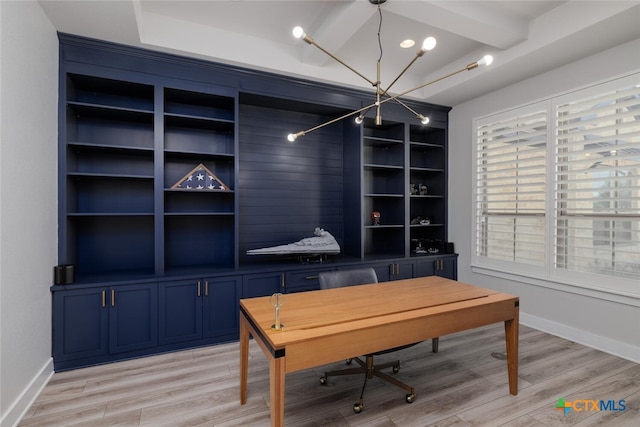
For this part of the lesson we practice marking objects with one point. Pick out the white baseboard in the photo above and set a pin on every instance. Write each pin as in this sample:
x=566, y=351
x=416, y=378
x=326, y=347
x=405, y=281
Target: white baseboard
x=583, y=337
x=22, y=404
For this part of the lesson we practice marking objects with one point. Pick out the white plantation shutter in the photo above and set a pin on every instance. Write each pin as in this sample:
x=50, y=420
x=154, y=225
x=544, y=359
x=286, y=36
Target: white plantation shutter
x=558, y=188
x=510, y=187
x=597, y=182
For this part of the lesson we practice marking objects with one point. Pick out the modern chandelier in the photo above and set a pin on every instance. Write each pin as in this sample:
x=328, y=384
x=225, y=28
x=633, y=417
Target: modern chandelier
x=382, y=95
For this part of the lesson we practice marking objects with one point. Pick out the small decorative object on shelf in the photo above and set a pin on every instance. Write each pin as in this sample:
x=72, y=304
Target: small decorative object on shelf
x=418, y=189
x=420, y=221
x=375, y=218
x=419, y=249
x=433, y=246
x=200, y=178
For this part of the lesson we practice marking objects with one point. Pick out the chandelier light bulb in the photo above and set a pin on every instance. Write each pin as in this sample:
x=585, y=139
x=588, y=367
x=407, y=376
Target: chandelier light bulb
x=292, y=137
x=298, y=32
x=359, y=119
x=428, y=44
x=486, y=60
x=424, y=120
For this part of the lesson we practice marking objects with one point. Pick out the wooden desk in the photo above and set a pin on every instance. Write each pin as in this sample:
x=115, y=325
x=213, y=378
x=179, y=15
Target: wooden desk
x=335, y=324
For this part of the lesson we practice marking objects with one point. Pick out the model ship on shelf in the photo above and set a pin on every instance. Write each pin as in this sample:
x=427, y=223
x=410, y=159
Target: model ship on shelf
x=318, y=246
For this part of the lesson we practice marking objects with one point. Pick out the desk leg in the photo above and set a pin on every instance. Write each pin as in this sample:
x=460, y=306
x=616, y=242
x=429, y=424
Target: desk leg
x=511, y=332
x=276, y=374
x=244, y=358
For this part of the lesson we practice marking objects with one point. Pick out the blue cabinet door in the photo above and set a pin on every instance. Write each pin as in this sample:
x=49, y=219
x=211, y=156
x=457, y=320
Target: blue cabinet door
x=394, y=271
x=133, y=317
x=260, y=285
x=444, y=266
x=180, y=305
x=220, y=306
x=448, y=267
x=426, y=267
x=80, y=324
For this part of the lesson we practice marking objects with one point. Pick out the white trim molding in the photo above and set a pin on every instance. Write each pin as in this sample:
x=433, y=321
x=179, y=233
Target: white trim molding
x=580, y=336
x=21, y=405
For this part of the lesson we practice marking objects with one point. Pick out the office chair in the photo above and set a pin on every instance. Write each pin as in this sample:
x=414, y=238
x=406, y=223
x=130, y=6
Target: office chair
x=335, y=279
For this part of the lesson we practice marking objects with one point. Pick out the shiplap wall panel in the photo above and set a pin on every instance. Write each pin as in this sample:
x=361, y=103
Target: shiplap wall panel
x=287, y=189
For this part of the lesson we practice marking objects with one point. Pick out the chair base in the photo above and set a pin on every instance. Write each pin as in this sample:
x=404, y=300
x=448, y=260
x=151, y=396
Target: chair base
x=370, y=370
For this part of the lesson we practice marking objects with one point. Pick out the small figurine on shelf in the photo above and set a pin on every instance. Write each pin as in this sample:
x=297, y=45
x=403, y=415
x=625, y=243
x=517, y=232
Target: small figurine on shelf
x=419, y=249
x=433, y=246
x=422, y=189
x=375, y=218
x=420, y=221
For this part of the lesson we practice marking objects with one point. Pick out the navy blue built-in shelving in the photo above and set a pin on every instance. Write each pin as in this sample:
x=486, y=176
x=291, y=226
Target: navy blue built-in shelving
x=134, y=122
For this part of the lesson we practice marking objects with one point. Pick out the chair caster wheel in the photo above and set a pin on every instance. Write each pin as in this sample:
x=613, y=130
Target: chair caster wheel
x=396, y=369
x=410, y=397
x=323, y=380
x=357, y=408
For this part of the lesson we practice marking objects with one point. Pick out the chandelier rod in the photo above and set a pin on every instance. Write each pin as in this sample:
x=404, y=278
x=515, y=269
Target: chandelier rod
x=428, y=44
x=486, y=60
x=298, y=32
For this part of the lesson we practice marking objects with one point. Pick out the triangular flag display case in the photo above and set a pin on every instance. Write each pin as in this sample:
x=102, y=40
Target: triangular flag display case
x=200, y=178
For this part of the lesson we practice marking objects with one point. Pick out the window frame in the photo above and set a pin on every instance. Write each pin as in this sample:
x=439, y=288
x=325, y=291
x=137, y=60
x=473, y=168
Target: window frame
x=548, y=275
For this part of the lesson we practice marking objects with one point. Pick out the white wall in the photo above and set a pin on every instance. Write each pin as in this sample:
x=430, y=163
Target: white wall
x=28, y=202
x=604, y=321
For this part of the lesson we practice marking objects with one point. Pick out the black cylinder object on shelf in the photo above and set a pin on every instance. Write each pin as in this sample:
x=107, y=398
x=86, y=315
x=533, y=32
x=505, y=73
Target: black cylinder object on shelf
x=63, y=274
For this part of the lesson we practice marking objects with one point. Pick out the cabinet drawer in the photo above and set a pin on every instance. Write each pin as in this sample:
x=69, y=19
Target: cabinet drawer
x=306, y=280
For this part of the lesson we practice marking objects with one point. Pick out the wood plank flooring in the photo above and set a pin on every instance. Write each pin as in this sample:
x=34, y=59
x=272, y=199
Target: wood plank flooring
x=464, y=384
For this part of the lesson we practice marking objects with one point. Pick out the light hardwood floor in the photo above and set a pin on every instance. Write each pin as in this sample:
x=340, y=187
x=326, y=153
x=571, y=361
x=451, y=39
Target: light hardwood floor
x=464, y=384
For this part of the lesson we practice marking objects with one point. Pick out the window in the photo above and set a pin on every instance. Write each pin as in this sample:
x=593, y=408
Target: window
x=597, y=210
x=510, y=184
x=558, y=188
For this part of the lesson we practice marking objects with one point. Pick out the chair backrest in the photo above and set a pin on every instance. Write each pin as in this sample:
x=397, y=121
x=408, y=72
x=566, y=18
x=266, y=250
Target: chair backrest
x=338, y=279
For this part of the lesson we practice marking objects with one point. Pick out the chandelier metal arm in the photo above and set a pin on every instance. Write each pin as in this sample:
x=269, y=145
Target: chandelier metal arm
x=311, y=41
x=472, y=66
x=293, y=136
x=384, y=92
x=395, y=97
x=419, y=54
x=407, y=107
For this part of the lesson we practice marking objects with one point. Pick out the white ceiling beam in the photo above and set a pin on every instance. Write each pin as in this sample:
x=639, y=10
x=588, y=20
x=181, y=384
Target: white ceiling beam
x=545, y=47
x=336, y=29
x=468, y=19
x=180, y=35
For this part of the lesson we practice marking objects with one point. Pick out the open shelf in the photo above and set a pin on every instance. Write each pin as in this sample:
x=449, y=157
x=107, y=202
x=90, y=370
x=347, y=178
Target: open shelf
x=199, y=241
x=111, y=244
x=427, y=179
